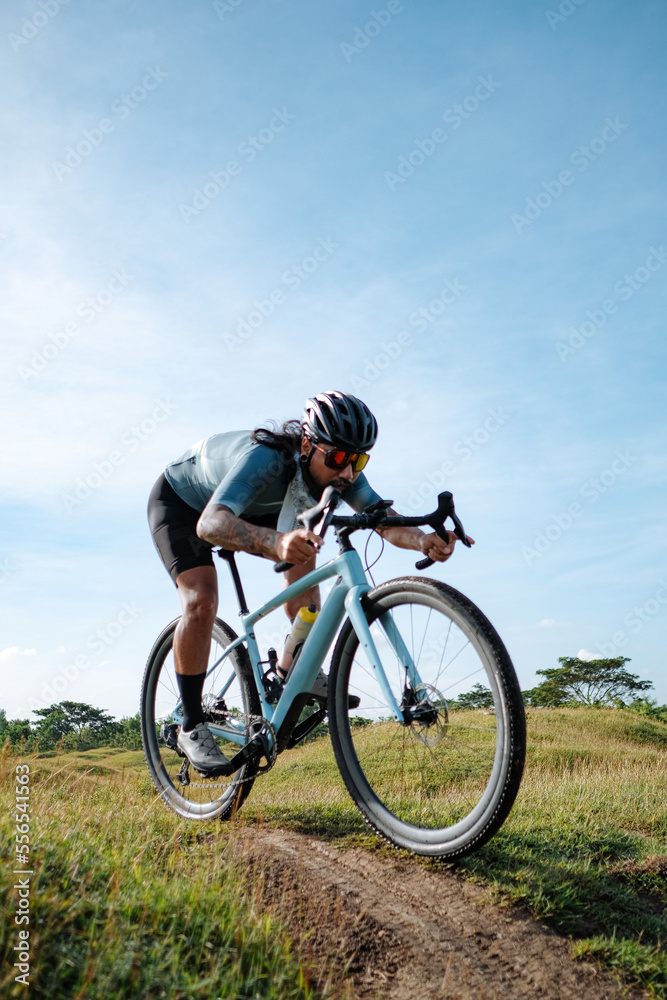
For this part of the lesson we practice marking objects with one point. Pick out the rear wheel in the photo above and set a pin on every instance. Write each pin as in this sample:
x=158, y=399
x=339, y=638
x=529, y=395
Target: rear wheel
x=443, y=783
x=182, y=788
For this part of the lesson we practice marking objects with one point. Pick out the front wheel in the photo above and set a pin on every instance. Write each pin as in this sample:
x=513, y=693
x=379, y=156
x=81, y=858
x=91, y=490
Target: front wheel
x=229, y=700
x=442, y=782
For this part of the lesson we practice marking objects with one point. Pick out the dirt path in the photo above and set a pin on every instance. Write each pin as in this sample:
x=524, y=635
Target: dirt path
x=396, y=930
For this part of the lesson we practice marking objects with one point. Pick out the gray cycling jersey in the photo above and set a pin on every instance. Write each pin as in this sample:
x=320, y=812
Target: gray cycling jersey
x=251, y=479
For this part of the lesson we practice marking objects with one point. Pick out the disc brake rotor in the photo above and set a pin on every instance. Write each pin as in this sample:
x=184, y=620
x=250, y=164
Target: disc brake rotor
x=430, y=716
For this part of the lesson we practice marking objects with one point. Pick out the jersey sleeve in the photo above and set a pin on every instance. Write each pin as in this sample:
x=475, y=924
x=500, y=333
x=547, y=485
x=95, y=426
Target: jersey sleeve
x=257, y=479
x=361, y=494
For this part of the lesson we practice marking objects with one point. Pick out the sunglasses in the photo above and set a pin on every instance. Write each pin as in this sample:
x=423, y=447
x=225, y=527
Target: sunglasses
x=340, y=459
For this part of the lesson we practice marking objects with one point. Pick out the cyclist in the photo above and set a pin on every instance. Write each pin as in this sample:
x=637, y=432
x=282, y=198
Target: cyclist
x=243, y=491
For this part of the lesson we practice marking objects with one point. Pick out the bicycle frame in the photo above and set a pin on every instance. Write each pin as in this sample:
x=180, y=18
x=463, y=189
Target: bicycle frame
x=344, y=598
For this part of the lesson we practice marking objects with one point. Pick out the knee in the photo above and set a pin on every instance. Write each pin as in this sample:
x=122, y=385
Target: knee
x=201, y=607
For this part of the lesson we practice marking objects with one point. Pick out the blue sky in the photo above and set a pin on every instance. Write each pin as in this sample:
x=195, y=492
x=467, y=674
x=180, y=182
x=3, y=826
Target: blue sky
x=213, y=210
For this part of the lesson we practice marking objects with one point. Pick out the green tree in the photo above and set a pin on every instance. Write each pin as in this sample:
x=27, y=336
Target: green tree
x=74, y=725
x=478, y=697
x=128, y=733
x=14, y=729
x=649, y=707
x=586, y=682
x=551, y=693
x=87, y=725
x=359, y=721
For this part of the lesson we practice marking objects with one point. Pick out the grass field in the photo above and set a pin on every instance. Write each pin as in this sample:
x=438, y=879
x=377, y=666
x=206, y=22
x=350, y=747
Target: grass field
x=129, y=901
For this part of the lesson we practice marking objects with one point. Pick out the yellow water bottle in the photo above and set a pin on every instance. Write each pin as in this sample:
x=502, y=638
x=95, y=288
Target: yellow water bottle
x=300, y=628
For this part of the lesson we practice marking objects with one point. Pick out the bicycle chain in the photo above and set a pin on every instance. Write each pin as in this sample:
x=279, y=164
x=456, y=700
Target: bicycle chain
x=249, y=720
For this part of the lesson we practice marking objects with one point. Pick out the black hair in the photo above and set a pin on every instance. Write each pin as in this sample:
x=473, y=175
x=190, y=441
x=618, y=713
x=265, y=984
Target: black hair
x=285, y=439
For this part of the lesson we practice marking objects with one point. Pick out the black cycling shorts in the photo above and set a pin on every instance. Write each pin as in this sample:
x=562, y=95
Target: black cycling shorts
x=173, y=524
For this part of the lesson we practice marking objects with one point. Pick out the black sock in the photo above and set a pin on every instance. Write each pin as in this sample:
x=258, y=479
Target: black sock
x=190, y=687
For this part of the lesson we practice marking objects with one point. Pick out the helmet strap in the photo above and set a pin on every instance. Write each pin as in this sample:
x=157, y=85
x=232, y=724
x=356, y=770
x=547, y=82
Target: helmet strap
x=304, y=461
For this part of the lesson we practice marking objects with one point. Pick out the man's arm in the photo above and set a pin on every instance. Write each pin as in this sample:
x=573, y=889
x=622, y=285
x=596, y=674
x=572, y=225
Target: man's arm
x=218, y=525
x=430, y=544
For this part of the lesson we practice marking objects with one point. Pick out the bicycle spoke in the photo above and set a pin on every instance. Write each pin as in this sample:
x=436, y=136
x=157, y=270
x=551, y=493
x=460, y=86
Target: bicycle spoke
x=424, y=637
x=183, y=789
x=437, y=771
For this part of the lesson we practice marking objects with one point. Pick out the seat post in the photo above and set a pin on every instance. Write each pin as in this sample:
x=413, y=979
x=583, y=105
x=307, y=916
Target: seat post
x=228, y=556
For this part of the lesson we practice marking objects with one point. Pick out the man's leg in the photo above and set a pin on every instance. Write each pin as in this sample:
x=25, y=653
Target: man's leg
x=308, y=597
x=198, y=591
x=173, y=524
x=320, y=689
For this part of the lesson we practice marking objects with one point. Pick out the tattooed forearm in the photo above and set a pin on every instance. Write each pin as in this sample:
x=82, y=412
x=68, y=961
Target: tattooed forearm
x=402, y=538
x=219, y=526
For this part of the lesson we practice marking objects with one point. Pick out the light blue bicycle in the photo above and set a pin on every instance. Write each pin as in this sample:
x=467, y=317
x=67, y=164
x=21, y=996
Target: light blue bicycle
x=428, y=776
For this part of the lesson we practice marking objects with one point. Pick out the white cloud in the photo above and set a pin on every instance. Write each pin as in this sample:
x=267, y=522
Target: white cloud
x=584, y=654
x=12, y=653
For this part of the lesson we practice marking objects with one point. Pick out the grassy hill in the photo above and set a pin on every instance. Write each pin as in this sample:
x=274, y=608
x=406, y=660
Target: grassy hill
x=129, y=901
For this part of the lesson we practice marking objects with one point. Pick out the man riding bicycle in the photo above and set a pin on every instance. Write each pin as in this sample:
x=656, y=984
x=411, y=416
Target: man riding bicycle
x=243, y=491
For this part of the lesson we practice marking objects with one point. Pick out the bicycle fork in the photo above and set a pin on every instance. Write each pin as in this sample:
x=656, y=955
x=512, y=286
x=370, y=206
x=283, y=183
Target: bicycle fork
x=356, y=615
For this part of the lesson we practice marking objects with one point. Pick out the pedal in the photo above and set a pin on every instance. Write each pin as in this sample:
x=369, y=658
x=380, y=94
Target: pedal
x=220, y=708
x=169, y=736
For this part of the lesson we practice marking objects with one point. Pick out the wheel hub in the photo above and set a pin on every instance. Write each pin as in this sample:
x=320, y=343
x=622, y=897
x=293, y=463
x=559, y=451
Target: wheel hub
x=425, y=710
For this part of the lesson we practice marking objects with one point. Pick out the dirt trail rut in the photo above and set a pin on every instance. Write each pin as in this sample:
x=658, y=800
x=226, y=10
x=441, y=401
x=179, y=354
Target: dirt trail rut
x=397, y=930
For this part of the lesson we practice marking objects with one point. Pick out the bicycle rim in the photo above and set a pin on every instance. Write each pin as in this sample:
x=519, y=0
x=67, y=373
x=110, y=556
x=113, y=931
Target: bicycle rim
x=182, y=788
x=444, y=783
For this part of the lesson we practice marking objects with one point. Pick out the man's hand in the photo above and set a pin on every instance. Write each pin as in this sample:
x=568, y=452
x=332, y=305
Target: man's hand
x=218, y=525
x=430, y=544
x=297, y=547
x=437, y=548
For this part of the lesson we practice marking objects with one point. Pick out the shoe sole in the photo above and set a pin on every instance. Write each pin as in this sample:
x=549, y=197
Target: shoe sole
x=217, y=771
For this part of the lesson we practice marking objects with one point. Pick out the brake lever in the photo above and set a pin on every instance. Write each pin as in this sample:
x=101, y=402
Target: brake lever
x=437, y=520
x=330, y=498
x=311, y=518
